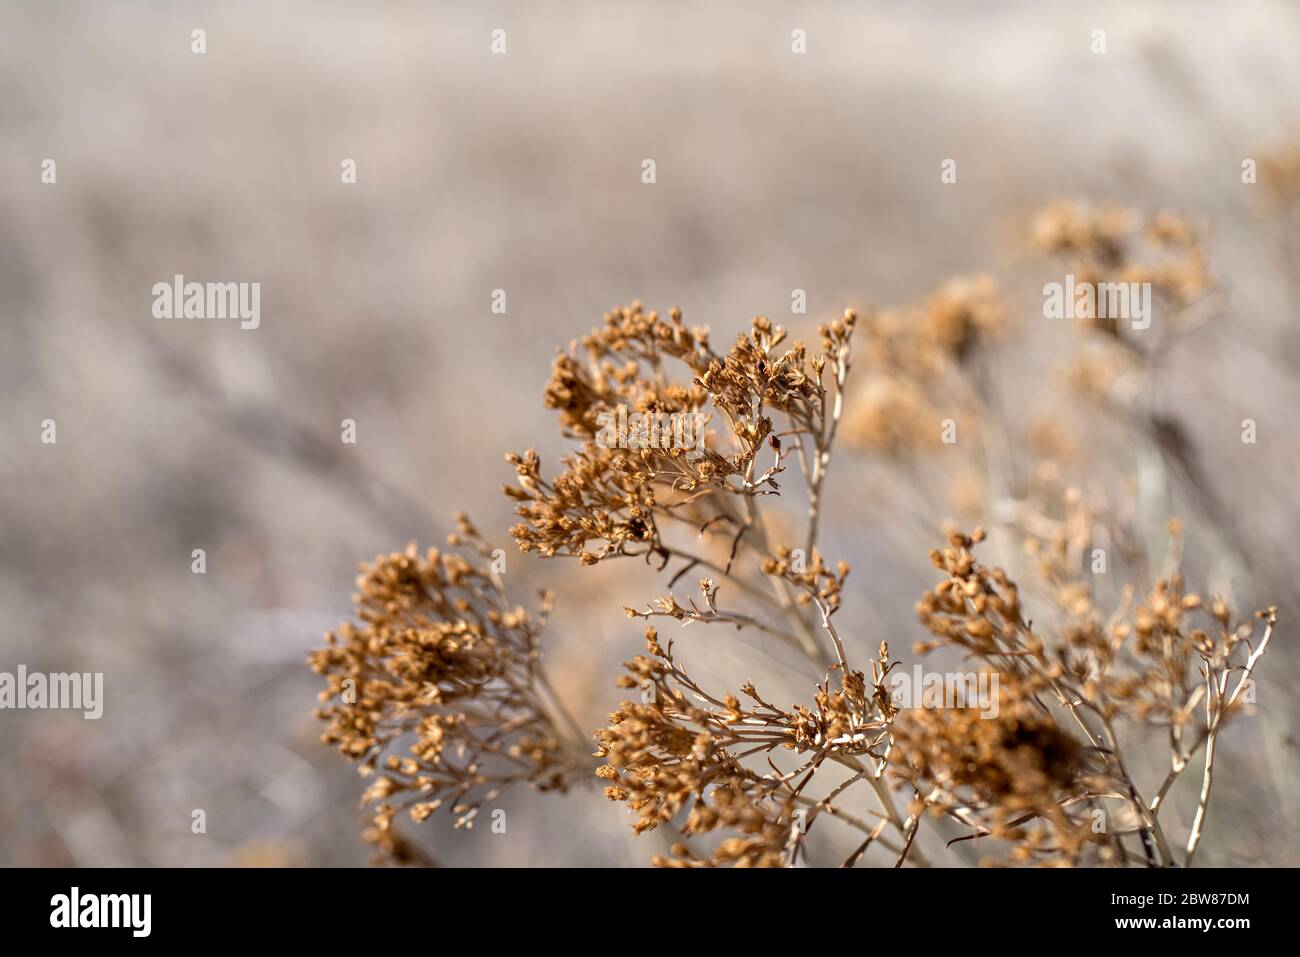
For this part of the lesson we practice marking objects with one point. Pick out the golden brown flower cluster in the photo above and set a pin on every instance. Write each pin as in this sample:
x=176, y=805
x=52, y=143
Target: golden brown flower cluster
x=612, y=501
x=437, y=687
x=913, y=352
x=1012, y=776
x=816, y=582
x=664, y=754
x=1054, y=742
x=683, y=749
x=1112, y=244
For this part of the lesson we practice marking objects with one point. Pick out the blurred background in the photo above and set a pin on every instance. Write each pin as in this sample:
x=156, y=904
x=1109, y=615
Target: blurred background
x=522, y=172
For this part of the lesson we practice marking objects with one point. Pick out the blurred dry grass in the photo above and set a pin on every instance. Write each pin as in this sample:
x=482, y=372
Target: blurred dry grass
x=522, y=172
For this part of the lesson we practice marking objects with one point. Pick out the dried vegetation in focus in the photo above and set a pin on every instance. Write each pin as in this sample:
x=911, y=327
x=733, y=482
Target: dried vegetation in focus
x=437, y=688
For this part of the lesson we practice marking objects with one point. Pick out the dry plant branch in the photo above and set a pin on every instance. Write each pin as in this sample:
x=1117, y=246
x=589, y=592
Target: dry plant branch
x=441, y=663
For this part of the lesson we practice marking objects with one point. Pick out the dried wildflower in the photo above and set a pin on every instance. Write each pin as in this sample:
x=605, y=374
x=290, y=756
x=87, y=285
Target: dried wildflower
x=770, y=401
x=666, y=755
x=612, y=502
x=914, y=354
x=960, y=315
x=437, y=689
x=440, y=664
x=1069, y=227
x=1140, y=668
x=1113, y=244
x=1007, y=777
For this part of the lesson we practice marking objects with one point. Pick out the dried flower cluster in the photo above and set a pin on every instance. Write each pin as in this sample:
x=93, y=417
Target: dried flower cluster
x=612, y=502
x=1065, y=695
x=437, y=689
x=439, y=663
x=666, y=753
x=913, y=353
x=1112, y=244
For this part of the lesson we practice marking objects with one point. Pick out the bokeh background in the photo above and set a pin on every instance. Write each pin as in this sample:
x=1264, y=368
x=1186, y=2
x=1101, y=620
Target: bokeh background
x=476, y=171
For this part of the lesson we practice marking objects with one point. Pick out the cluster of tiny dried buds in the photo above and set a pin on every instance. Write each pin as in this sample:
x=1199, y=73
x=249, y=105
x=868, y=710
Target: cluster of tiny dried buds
x=1148, y=668
x=437, y=689
x=1015, y=776
x=683, y=748
x=1115, y=244
x=614, y=502
x=913, y=353
x=769, y=401
x=816, y=582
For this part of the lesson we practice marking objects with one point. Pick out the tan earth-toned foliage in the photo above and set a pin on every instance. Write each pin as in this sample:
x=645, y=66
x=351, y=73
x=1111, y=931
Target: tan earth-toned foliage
x=437, y=688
